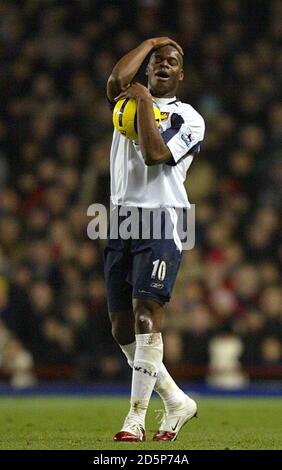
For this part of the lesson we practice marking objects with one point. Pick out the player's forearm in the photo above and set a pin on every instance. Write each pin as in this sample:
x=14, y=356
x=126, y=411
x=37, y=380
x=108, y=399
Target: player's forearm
x=153, y=148
x=126, y=68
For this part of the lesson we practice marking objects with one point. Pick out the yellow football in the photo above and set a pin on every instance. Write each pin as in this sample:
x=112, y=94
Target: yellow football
x=125, y=117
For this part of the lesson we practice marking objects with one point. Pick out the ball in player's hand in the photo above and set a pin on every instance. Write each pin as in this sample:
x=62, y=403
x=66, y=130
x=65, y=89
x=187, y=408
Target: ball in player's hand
x=125, y=117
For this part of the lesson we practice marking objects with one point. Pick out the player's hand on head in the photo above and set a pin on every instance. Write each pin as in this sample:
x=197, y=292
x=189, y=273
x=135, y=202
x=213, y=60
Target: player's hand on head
x=135, y=90
x=165, y=41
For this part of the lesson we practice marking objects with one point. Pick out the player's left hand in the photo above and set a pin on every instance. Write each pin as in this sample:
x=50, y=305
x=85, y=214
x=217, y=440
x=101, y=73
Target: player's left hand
x=136, y=91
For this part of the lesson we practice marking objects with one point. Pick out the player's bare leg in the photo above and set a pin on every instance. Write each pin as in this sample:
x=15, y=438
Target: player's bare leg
x=123, y=327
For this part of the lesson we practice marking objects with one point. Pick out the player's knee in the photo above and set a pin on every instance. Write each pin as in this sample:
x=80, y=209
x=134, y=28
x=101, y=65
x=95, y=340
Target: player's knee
x=144, y=318
x=144, y=323
x=148, y=316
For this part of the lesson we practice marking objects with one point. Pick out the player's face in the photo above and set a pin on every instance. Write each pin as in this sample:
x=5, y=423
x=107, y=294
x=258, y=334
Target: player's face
x=164, y=72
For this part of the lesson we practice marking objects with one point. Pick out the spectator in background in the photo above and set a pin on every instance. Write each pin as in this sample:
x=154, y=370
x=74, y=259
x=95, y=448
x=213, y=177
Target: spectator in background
x=18, y=363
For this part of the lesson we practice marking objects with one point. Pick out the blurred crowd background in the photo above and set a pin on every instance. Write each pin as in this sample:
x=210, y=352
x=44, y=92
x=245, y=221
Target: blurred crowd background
x=225, y=318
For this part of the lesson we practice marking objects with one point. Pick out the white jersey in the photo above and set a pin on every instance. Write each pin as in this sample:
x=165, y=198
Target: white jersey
x=135, y=184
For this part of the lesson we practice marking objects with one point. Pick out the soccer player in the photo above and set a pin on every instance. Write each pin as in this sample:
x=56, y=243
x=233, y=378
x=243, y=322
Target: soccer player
x=140, y=274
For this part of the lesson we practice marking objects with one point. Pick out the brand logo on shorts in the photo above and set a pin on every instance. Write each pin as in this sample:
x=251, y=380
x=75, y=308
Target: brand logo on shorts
x=157, y=285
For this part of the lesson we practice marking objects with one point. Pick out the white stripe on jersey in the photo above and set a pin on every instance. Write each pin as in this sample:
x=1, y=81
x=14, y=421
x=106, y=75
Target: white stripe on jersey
x=174, y=220
x=135, y=184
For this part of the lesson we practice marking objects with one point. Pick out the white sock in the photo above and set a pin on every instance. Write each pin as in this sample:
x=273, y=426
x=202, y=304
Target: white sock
x=147, y=361
x=165, y=386
x=129, y=352
x=168, y=390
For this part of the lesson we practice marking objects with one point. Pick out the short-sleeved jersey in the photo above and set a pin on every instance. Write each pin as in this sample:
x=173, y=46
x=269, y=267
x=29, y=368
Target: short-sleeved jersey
x=133, y=183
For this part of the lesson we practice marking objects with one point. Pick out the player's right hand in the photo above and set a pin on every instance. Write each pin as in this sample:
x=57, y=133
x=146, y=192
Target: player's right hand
x=165, y=41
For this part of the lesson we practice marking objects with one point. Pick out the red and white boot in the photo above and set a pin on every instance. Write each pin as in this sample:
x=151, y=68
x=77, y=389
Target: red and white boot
x=175, y=419
x=131, y=432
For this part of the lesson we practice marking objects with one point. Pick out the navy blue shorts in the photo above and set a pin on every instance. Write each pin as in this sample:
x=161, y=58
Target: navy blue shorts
x=141, y=269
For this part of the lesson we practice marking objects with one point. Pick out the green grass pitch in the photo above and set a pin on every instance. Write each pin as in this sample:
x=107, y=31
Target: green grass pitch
x=90, y=423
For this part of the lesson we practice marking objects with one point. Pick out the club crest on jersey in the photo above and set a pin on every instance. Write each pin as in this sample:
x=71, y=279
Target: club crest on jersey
x=164, y=116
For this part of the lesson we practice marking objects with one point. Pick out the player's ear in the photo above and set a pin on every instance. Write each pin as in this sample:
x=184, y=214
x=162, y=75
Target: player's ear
x=181, y=75
x=147, y=70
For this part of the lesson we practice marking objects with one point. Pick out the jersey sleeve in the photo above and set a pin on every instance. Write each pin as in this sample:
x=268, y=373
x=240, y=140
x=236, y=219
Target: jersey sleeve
x=184, y=136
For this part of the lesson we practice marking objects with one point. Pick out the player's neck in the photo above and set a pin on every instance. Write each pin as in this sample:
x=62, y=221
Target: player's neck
x=164, y=99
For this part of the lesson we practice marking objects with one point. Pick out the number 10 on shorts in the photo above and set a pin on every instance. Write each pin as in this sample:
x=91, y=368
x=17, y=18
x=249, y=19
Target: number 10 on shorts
x=159, y=270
